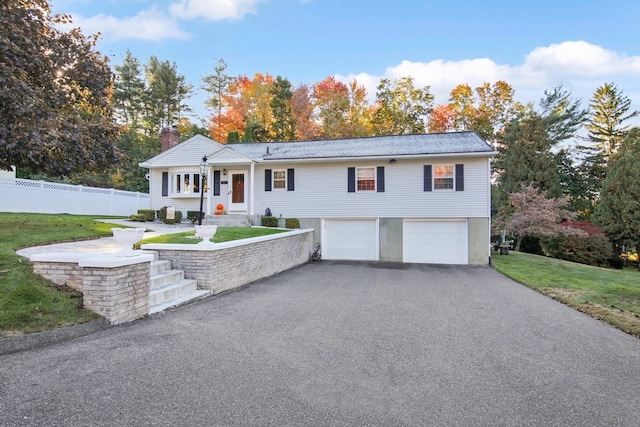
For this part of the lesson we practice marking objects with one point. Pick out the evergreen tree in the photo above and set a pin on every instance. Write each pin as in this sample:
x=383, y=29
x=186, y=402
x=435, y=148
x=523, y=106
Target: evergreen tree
x=525, y=157
x=283, y=126
x=609, y=111
x=167, y=92
x=606, y=127
x=129, y=91
x=618, y=211
x=217, y=85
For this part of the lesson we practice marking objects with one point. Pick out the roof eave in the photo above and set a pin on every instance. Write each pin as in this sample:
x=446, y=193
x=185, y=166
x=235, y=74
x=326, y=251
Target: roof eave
x=390, y=156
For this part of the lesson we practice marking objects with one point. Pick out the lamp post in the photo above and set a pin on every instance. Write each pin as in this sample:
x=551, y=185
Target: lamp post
x=203, y=174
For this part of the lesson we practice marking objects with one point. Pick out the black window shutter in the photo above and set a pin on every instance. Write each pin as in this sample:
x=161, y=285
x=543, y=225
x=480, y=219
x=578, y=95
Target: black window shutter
x=351, y=180
x=267, y=180
x=427, y=177
x=380, y=179
x=290, y=180
x=165, y=184
x=459, y=177
x=216, y=183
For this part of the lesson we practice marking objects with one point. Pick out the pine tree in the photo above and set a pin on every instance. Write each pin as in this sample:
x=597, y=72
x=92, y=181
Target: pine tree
x=618, y=211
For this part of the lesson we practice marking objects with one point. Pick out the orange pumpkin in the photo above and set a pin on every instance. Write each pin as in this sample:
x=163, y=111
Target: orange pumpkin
x=220, y=206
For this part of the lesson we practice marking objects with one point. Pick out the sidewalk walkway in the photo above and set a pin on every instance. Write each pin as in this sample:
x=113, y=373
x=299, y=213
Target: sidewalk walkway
x=107, y=244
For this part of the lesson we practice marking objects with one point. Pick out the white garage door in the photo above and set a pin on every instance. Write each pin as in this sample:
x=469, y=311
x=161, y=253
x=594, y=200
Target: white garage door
x=435, y=242
x=350, y=239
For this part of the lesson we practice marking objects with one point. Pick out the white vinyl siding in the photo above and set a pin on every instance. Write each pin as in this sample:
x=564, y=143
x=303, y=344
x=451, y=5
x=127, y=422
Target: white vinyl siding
x=321, y=192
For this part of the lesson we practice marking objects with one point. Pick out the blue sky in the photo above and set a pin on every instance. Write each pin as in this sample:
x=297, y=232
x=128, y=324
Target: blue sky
x=532, y=45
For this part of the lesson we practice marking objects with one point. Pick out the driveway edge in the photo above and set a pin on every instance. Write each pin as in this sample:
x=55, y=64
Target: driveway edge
x=42, y=339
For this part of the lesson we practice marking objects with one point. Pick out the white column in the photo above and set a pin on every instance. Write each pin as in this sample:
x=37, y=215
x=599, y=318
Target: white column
x=251, y=190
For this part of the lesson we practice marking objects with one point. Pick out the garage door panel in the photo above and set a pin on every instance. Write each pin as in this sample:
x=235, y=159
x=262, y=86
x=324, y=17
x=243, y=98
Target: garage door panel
x=350, y=240
x=435, y=242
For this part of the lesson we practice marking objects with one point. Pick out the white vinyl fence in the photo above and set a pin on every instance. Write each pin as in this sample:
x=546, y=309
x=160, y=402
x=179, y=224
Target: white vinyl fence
x=24, y=195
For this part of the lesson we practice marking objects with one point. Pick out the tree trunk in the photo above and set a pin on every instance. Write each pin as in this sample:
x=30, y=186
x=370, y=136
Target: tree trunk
x=518, y=242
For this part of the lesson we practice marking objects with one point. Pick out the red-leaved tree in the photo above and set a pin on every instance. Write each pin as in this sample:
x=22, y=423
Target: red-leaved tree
x=535, y=215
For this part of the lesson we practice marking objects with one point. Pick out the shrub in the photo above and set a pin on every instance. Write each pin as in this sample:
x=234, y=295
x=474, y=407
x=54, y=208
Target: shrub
x=292, y=223
x=591, y=248
x=193, y=216
x=149, y=214
x=269, y=221
x=137, y=218
x=162, y=214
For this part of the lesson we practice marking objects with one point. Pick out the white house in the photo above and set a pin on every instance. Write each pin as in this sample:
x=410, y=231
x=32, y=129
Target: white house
x=406, y=198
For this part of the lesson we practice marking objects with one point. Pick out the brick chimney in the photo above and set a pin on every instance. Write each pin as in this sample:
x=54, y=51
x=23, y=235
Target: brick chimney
x=170, y=137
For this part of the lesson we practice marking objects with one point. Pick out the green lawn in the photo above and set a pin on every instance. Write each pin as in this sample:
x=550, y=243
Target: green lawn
x=29, y=303
x=223, y=234
x=606, y=294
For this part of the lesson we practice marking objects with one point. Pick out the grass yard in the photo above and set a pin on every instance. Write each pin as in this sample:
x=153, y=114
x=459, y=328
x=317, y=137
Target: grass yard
x=606, y=294
x=28, y=302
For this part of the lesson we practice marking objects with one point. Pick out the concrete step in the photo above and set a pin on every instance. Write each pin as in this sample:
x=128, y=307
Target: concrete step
x=166, y=278
x=228, y=220
x=159, y=266
x=180, y=300
x=171, y=291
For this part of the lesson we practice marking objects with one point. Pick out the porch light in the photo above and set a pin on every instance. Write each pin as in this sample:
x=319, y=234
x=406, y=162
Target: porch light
x=224, y=172
x=203, y=173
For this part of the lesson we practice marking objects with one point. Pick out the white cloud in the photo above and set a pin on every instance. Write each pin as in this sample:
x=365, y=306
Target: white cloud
x=215, y=10
x=580, y=66
x=150, y=24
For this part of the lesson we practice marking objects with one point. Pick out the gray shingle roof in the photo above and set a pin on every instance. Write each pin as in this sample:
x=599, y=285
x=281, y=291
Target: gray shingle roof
x=396, y=145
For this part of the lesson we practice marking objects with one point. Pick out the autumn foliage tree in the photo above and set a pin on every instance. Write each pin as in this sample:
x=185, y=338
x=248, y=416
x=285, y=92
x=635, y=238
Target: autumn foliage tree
x=401, y=108
x=487, y=109
x=536, y=215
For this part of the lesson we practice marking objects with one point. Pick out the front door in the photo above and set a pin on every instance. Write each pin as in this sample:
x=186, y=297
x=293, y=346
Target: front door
x=238, y=191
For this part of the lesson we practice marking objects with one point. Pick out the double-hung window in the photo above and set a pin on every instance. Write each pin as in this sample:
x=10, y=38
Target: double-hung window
x=443, y=177
x=366, y=179
x=280, y=179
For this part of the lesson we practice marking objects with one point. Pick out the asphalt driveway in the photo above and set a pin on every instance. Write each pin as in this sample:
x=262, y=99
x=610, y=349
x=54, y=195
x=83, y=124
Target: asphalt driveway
x=339, y=344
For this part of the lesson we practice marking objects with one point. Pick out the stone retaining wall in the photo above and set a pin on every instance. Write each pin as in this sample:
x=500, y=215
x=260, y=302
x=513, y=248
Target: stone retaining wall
x=117, y=288
x=224, y=266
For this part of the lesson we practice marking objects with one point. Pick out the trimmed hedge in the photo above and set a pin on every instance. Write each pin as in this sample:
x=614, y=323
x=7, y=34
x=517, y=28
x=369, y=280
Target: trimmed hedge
x=137, y=218
x=149, y=214
x=162, y=214
x=292, y=223
x=193, y=216
x=269, y=221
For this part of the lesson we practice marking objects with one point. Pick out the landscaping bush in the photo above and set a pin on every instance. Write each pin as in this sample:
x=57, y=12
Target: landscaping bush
x=149, y=214
x=292, y=223
x=269, y=221
x=193, y=216
x=137, y=218
x=592, y=248
x=531, y=245
x=162, y=214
